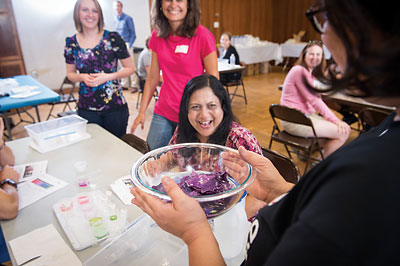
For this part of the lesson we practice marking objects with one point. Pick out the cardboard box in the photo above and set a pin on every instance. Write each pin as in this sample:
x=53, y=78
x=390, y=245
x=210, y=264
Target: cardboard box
x=265, y=67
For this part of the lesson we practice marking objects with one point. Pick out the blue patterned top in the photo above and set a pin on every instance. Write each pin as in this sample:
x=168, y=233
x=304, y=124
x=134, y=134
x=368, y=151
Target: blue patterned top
x=103, y=58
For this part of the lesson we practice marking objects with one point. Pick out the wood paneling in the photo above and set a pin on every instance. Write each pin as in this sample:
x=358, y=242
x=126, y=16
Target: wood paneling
x=272, y=20
x=11, y=59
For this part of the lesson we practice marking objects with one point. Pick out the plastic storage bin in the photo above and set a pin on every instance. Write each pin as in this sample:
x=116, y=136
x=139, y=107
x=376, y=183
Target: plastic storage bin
x=144, y=243
x=57, y=133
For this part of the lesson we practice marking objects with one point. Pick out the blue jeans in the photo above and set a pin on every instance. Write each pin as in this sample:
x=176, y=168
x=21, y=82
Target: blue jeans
x=113, y=121
x=160, y=132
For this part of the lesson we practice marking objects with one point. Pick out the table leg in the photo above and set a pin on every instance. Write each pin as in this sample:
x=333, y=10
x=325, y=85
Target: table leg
x=37, y=113
x=7, y=124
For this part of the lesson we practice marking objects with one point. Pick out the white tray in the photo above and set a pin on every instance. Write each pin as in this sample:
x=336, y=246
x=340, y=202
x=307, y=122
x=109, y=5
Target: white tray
x=76, y=225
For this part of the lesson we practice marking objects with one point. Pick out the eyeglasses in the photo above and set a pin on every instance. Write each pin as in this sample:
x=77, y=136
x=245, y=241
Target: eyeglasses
x=317, y=17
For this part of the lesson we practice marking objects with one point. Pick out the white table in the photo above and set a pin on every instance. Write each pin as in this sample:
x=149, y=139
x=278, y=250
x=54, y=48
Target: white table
x=227, y=68
x=103, y=151
x=294, y=50
x=259, y=54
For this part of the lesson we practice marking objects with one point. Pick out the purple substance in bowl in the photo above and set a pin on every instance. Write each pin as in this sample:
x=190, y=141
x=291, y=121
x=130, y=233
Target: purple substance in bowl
x=206, y=184
x=201, y=184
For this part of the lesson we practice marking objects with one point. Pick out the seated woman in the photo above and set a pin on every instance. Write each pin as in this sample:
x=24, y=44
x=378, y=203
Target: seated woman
x=225, y=52
x=296, y=94
x=205, y=116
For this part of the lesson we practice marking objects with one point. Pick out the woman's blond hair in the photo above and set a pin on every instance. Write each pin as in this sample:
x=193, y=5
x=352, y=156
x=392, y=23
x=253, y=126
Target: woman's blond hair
x=78, y=23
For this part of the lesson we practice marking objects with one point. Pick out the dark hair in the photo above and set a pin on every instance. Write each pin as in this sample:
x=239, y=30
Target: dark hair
x=189, y=25
x=369, y=31
x=186, y=133
x=147, y=42
x=78, y=23
x=321, y=68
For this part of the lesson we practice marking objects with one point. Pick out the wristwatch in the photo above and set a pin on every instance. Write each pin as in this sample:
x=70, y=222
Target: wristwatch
x=8, y=181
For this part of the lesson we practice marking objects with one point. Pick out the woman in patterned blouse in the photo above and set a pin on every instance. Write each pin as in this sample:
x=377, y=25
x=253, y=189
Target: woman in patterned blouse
x=91, y=57
x=205, y=116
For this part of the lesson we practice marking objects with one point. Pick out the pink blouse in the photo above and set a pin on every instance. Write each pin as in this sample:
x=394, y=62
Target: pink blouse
x=296, y=95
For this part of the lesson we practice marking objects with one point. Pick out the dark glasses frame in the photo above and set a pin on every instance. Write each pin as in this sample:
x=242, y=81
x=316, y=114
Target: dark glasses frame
x=310, y=14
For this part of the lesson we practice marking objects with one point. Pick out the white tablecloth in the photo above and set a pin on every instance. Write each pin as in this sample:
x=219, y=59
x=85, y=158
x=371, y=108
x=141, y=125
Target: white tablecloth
x=258, y=54
x=272, y=51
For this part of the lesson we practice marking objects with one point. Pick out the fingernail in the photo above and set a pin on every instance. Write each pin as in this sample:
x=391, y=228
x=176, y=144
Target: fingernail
x=166, y=180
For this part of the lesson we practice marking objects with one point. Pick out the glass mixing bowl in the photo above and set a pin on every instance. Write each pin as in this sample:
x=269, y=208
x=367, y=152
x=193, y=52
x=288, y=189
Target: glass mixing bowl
x=198, y=169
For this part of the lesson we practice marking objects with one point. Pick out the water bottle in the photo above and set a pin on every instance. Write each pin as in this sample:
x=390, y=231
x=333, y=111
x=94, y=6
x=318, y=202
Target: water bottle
x=232, y=59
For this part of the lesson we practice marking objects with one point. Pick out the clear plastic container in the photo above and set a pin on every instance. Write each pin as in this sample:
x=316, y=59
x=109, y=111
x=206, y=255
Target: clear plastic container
x=57, y=132
x=144, y=243
x=81, y=173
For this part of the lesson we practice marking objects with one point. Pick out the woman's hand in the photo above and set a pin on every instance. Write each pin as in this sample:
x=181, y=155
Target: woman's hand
x=9, y=172
x=87, y=79
x=183, y=217
x=343, y=127
x=140, y=118
x=99, y=78
x=94, y=79
x=268, y=184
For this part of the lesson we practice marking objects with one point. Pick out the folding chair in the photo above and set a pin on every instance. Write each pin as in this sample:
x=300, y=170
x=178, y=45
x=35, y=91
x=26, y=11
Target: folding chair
x=234, y=79
x=307, y=145
x=136, y=142
x=371, y=117
x=66, y=98
x=285, y=166
x=140, y=91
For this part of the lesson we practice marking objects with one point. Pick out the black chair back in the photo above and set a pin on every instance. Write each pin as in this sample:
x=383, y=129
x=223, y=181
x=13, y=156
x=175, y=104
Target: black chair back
x=285, y=166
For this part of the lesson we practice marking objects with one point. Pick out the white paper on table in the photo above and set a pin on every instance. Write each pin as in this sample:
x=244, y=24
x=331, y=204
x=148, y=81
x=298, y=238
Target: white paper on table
x=31, y=170
x=25, y=94
x=37, y=188
x=45, y=242
x=24, y=88
x=122, y=188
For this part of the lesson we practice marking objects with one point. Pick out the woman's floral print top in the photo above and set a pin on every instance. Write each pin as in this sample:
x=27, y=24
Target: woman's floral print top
x=103, y=58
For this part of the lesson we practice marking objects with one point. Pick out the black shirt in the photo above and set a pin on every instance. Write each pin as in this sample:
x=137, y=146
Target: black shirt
x=345, y=211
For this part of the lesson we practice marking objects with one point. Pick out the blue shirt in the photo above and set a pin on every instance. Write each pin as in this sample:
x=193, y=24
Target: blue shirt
x=125, y=27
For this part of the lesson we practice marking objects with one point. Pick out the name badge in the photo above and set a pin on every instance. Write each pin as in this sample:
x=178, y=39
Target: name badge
x=183, y=49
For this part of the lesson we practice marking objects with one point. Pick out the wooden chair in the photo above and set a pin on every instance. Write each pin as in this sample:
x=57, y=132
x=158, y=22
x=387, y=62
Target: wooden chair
x=371, y=117
x=66, y=97
x=307, y=145
x=286, y=167
x=136, y=142
x=234, y=79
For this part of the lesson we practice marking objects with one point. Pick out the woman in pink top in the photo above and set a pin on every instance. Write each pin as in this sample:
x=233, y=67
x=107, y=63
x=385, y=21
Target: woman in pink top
x=182, y=49
x=295, y=94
